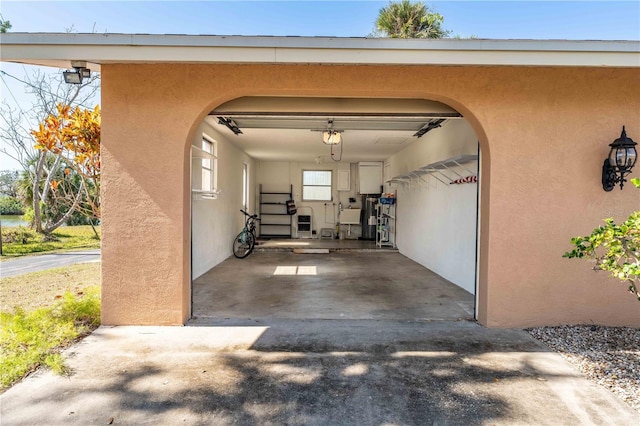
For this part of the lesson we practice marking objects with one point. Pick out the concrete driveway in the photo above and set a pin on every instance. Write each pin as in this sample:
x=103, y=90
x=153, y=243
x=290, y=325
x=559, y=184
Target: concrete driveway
x=26, y=264
x=312, y=372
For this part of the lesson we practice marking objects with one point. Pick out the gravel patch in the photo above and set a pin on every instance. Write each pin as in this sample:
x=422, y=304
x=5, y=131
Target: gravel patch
x=608, y=356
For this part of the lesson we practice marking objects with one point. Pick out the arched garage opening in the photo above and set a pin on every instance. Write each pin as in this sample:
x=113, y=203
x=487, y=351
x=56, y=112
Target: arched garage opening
x=412, y=259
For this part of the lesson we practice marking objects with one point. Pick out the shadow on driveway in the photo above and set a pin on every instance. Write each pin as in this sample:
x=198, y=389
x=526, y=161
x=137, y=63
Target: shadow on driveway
x=313, y=372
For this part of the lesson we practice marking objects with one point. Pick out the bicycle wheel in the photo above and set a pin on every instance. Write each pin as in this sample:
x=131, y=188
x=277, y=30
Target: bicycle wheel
x=252, y=242
x=243, y=244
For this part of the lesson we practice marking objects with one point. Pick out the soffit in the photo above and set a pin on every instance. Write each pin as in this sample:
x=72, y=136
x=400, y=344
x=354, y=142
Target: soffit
x=57, y=50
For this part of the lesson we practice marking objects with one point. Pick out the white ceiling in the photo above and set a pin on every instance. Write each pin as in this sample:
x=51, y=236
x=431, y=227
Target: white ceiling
x=290, y=129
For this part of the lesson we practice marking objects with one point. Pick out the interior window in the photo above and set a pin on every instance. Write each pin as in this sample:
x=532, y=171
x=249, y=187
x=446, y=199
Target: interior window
x=204, y=169
x=316, y=185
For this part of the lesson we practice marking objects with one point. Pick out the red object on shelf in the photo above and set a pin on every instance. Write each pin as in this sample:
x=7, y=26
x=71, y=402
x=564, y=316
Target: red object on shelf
x=468, y=179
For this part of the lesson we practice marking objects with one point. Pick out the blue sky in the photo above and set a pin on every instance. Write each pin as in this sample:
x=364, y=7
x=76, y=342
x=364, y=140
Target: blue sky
x=576, y=20
x=607, y=20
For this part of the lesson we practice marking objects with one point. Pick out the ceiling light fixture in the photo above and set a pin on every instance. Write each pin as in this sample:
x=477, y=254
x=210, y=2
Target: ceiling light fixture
x=80, y=72
x=331, y=137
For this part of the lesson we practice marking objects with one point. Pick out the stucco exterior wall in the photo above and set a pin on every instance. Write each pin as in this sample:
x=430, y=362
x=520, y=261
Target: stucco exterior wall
x=543, y=133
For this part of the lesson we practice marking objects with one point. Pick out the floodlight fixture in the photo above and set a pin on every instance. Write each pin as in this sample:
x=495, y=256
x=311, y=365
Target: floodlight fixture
x=72, y=77
x=80, y=72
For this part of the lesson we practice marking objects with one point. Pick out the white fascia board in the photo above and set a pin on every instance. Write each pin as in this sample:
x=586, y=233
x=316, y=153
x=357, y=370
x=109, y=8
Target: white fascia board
x=60, y=49
x=469, y=58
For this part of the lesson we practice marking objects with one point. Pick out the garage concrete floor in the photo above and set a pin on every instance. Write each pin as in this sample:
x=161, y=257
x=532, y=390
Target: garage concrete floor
x=353, y=285
x=284, y=244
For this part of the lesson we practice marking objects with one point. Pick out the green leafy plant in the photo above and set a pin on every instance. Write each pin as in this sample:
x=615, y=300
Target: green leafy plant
x=4, y=25
x=64, y=238
x=28, y=215
x=31, y=339
x=614, y=248
x=10, y=205
x=406, y=19
x=19, y=235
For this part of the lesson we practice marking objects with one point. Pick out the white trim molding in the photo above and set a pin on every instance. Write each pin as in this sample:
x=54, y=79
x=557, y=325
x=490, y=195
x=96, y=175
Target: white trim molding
x=59, y=49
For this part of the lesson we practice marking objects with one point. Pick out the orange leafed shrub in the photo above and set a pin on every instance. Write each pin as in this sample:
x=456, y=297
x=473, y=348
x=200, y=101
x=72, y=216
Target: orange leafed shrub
x=75, y=133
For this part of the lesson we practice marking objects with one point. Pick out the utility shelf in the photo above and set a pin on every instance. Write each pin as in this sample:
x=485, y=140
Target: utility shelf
x=386, y=224
x=443, y=171
x=273, y=204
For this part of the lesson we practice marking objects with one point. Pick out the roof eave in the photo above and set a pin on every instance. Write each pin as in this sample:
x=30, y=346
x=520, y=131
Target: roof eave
x=53, y=49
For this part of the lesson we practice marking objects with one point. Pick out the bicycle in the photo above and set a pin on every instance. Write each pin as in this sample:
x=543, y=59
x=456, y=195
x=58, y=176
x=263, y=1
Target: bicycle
x=246, y=240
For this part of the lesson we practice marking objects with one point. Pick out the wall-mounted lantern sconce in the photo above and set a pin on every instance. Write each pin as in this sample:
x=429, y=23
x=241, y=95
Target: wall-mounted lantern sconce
x=80, y=72
x=618, y=165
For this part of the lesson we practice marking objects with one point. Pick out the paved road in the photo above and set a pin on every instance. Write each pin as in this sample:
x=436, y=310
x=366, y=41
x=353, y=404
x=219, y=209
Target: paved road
x=23, y=265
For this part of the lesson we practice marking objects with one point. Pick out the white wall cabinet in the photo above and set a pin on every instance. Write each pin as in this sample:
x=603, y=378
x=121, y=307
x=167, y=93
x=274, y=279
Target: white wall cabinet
x=369, y=177
x=344, y=180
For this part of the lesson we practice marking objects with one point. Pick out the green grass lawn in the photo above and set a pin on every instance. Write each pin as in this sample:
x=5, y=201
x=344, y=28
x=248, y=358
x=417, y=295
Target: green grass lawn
x=41, y=289
x=43, y=312
x=65, y=238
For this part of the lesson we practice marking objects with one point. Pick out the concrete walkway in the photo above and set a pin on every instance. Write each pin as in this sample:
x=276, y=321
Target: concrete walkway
x=26, y=264
x=313, y=372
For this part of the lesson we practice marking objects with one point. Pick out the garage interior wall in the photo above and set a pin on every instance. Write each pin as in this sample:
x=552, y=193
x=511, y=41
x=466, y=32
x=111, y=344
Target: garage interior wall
x=278, y=175
x=215, y=222
x=436, y=223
